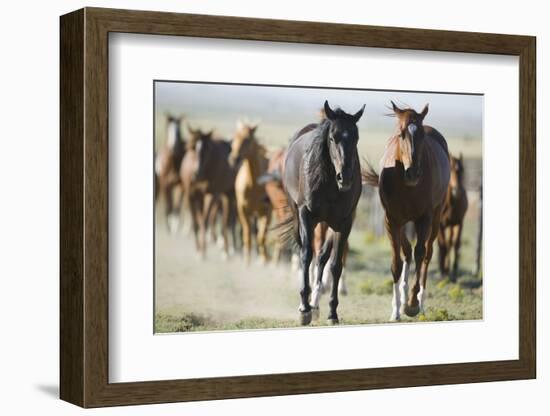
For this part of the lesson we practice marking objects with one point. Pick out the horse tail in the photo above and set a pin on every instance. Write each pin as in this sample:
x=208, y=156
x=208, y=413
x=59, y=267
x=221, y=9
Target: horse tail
x=370, y=177
x=287, y=230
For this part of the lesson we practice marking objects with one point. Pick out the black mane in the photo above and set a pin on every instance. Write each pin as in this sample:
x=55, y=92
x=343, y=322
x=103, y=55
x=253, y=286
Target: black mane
x=318, y=167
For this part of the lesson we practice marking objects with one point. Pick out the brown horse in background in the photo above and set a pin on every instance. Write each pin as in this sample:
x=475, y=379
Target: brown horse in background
x=208, y=180
x=253, y=205
x=167, y=167
x=276, y=194
x=413, y=186
x=452, y=218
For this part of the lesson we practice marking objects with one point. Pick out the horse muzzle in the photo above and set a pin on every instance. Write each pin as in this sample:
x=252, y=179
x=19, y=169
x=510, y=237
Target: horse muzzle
x=344, y=184
x=412, y=176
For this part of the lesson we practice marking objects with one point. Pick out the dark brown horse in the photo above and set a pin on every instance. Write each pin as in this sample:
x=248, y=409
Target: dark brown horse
x=322, y=178
x=452, y=218
x=167, y=166
x=208, y=180
x=413, y=185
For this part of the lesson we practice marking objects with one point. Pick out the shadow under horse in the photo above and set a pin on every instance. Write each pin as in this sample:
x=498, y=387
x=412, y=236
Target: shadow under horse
x=412, y=185
x=322, y=178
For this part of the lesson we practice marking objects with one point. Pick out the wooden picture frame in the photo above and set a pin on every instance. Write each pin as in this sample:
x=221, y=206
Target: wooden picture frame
x=84, y=207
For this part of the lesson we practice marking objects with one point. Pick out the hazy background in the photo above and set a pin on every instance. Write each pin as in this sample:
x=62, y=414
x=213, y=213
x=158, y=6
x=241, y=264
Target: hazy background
x=283, y=110
x=192, y=295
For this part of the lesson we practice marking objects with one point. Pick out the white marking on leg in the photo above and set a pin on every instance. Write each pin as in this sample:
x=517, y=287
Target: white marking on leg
x=404, y=283
x=342, y=288
x=395, y=303
x=327, y=278
x=173, y=223
x=421, y=297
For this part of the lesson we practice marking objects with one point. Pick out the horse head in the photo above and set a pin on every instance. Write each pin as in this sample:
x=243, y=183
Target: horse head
x=411, y=145
x=243, y=143
x=343, y=136
x=199, y=144
x=174, y=128
x=457, y=174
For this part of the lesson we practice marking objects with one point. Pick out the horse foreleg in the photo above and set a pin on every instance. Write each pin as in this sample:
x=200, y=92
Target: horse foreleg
x=261, y=236
x=225, y=224
x=394, y=234
x=342, y=288
x=306, y=254
x=423, y=230
x=404, y=279
x=168, y=206
x=322, y=259
x=442, y=245
x=427, y=258
x=245, y=225
x=457, y=236
x=196, y=208
x=336, y=265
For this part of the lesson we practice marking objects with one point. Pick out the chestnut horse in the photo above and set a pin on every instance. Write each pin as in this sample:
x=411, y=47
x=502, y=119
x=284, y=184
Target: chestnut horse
x=208, y=180
x=249, y=157
x=322, y=178
x=452, y=218
x=167, y=166
x=412, y=185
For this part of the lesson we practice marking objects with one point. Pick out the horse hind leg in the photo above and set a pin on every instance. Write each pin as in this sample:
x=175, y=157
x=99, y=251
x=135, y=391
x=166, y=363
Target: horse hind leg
x=405, y=269
x=443, y=252
x=322, y=259
x=225, y=225
x=261, y=237
x=456, y=237
x=306, y=255
x=423, y=229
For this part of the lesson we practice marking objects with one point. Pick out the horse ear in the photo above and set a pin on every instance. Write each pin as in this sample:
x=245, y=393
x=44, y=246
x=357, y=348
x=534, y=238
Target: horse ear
x=396, y=109
x=240, y=124
x=328, y=111
x=190, y=129
x=210, y=133
x=424, y=111
x=358, y=115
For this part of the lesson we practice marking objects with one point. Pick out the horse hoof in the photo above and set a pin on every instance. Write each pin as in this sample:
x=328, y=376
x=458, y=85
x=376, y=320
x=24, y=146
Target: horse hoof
x=395, y=318
x=333, y=321
x=305, y=318
x=412, y=311
x=314, y=313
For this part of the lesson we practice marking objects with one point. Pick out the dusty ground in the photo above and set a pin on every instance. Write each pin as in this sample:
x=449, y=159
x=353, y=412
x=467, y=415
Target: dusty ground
x=197, y=295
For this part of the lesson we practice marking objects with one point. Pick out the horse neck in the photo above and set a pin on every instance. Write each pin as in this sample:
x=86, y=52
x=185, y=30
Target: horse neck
x=254, y=161
x=174, y=136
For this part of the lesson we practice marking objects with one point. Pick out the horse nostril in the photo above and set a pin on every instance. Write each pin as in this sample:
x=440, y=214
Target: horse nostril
x=339, y=177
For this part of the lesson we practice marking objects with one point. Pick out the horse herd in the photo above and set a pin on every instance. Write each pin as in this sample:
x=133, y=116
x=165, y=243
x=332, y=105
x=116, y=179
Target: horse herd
x=311, y=190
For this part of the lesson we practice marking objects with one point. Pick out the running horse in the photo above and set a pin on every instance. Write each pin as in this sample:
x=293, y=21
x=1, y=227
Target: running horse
x=167, y=167
x=413, y=186
x=249, y=157
x=322, y=178
x=208, y=181
x=452, y=219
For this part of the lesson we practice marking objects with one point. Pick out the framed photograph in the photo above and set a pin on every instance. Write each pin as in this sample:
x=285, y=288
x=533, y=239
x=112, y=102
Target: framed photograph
x=256, y=207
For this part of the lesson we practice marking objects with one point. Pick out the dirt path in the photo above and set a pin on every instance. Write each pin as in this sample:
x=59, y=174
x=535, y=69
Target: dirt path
x=213, y=294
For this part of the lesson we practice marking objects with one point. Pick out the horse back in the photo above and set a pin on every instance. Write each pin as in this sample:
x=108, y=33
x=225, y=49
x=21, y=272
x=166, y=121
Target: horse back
x=438, y=152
